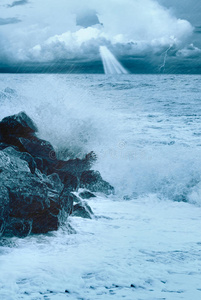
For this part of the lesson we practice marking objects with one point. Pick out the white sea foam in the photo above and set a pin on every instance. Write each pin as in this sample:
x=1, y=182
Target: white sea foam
x=153, y=246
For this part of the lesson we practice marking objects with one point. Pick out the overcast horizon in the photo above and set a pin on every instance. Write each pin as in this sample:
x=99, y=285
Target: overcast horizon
x=147, y=37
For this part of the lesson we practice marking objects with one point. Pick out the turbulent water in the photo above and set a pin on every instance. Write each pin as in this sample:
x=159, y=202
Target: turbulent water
x=144, y=242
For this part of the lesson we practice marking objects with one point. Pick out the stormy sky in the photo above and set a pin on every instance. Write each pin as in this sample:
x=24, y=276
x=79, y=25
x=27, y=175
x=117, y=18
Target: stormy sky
x=147, y=36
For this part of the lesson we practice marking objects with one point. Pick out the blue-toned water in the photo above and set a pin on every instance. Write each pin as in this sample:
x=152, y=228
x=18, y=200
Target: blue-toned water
x=146, y=131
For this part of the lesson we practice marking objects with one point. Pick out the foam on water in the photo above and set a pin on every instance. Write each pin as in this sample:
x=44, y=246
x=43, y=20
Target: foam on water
x=142, y=249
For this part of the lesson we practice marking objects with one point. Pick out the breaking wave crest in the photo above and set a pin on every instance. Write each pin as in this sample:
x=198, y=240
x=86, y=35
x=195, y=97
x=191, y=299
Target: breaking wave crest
x=147, y=141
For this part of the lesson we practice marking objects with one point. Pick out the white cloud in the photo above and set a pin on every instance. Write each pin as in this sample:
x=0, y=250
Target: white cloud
x=49, y=31
x=189, y=52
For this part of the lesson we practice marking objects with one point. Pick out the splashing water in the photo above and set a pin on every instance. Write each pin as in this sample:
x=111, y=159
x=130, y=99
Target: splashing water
x=146, y=132
x=110, y=63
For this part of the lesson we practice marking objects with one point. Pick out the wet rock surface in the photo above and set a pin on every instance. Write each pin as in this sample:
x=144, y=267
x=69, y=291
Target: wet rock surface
x=86, y=195
x=17, y=125
x=82, y=210
x=35, y=187
x=93, y=181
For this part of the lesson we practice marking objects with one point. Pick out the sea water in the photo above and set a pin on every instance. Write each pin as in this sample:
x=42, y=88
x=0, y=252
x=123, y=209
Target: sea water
x=144, y=242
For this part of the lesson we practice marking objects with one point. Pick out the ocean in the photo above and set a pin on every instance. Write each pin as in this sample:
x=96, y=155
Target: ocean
x=144, y=242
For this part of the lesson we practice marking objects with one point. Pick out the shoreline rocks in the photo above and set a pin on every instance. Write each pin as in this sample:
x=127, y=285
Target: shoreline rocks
x=35, y=187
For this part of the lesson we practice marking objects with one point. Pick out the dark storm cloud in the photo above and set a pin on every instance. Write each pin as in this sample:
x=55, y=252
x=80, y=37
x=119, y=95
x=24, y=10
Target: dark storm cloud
x=145, y=65
x=6, y=21
x=17, y=3
x=187, y=9
x=156, y=65
x=197, y=29
x=75, y=67
x=87, y=18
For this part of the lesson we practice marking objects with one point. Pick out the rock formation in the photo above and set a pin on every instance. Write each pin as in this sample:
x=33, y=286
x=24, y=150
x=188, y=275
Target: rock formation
x=36, y=188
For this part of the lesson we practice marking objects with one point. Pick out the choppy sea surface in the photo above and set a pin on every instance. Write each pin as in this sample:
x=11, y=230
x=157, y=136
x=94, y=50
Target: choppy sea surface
x=144, y=242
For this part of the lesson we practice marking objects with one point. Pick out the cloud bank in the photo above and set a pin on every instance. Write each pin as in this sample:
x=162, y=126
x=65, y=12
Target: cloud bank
x=131, y=29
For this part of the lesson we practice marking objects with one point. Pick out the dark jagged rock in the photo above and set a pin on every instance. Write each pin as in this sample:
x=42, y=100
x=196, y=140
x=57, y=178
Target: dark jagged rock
x=2, y=226
x=75, y=198
x=39, y=163
x=38, y=148
x=13, y=141
x=93, y=181
x=4, y=201
x=27, y=198
x=70, y=180
x=41, y=150
x=4, y=207
x=44, y=222
x=12, y=164
x=28, y=195
x=4, y=146
x=75, y=166
x=82, y=210
x=66, y=201
x=18, y=125
x=86, y=195
x=35, y=187
x=55, y=182
x=19, y=131
x=22, y=155
x=18, y=227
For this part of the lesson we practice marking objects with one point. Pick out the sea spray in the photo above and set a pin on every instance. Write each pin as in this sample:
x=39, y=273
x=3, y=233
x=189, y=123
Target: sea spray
x=145, y=139
x=65, y=112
